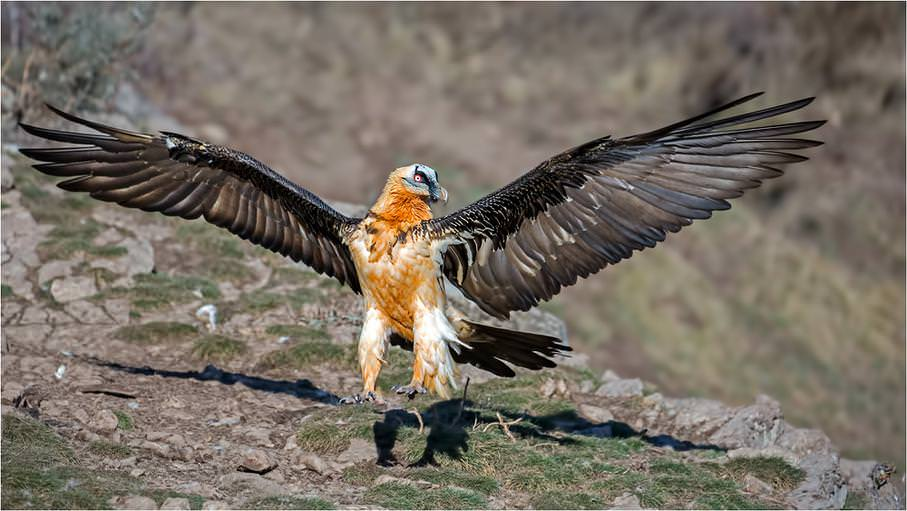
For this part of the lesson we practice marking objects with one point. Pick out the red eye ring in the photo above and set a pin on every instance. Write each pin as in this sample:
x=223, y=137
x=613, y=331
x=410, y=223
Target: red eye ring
x=417, y=178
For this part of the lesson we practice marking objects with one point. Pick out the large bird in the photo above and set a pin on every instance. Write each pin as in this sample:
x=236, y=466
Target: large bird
x=569, y=217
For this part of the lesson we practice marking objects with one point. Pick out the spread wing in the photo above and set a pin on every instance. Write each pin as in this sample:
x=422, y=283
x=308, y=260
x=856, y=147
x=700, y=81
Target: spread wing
x=597, y=203
x=180, y=176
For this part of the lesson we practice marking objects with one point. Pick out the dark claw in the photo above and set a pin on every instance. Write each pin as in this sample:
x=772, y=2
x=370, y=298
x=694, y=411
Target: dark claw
x=409, y=390
x=358, y=399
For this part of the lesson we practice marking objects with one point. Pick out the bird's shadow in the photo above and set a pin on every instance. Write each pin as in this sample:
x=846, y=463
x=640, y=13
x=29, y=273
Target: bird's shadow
x=304, y=389
x=448, y=422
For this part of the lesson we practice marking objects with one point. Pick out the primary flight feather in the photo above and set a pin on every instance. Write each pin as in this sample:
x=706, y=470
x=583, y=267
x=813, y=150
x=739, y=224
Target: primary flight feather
x=569, y=217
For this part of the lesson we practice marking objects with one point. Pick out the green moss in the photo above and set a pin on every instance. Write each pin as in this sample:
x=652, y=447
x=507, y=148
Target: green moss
x=39, y=472
x=209, y=239
x=5, y=291
x=288, y=502
x=773, y=470
x=73, y=236
x=124, y=420
x=157, y=290
x=260, y=300
x=362, y=474
x=156, y=332
x=675, y=483
x=298, y=332
x=452, y=477
x=109, y=449
x=306, y=354
x=328, y=431
x=217, y=348
x=566, y=500
x=405, y=496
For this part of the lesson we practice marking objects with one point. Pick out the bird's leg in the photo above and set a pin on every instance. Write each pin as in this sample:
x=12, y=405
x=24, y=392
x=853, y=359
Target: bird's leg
x=432, y=363
x=372, y=345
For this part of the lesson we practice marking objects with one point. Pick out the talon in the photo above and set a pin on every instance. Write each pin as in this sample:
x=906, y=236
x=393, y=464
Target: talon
x=409, y=390
x=358, y=399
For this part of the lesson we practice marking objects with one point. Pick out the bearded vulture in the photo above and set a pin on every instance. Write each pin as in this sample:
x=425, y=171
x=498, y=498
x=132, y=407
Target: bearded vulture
x=567, y=218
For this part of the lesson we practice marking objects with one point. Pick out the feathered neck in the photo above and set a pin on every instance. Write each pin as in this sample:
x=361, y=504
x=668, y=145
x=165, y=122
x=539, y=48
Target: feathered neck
x=399, y=207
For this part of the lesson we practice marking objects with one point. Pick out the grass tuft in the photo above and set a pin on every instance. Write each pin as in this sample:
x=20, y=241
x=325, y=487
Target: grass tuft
x=156, y=332
x=124, y=420
x=405, y=496
x=288, y=502
x=217, y=348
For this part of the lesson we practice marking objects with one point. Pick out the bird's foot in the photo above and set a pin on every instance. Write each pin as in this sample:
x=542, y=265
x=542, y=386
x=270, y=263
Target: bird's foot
x=358, y=399
x=410, y=390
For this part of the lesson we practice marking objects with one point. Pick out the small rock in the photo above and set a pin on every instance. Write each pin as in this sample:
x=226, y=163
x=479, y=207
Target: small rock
x=87, y=436
x=162, y=450
x=358, y=451
x=609, y=376
x=56, y=269
x=621, y=388
x=137, y=472
x=595, y=413
x=313, y=462
x=626, y=501
x=214, y=505
x=236, y=482
x=133, y=502
x=104, y=422
x=291, y=443
x=257, y=461
x=259, y=436
x=72, y=288
x=176, y=503
x=757, y=486
x=226, y=421
x=80, y=415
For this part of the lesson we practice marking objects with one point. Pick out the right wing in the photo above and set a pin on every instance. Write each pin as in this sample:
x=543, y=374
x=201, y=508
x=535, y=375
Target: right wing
x=180, y=176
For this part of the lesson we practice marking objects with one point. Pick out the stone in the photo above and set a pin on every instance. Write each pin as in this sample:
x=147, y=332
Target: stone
x=80, y=415
x=249, y=482
x=313, y=462
x=176, y=503
x=595, y=413
x=257, y=461
x=214, y=505
x=291, y=444
x=56, y=269
x=104, y=422
x=757, y=486
x=621, y=388
x=72, y=288
x=162, y=450
x=87, y=312
x=823, y=488
x=757, y=425
x=259, y=436
x=626, y=501
x=118, y=310
x=133, y=502
x=139, y=258
x=358, y=451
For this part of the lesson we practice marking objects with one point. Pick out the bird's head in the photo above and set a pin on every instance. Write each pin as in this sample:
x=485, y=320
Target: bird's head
x=421, y=180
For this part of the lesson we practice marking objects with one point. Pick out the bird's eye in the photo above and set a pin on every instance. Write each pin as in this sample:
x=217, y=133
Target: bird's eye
x=418, y=177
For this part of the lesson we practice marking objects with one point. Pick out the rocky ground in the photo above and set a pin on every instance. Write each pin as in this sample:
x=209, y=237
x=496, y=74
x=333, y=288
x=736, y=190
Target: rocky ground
x=149, y=362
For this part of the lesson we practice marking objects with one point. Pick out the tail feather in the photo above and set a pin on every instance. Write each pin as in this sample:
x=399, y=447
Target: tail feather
x=491, y=346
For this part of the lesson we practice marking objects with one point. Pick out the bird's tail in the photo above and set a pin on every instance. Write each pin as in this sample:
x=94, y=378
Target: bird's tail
x=491, y=346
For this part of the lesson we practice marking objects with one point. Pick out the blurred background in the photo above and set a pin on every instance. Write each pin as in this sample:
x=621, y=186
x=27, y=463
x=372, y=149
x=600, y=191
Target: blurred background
x=797, y=292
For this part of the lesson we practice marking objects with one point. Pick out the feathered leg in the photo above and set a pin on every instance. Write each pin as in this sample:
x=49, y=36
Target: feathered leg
x=372, y=345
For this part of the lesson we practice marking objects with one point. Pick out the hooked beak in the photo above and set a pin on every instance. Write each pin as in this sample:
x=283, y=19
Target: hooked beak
x=439, y=193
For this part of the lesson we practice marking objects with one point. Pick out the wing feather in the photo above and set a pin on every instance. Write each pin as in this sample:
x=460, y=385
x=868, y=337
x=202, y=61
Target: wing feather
x=181, y=176
x=599, y=202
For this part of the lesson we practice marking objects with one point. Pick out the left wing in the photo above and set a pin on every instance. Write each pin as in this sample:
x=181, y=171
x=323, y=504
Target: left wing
x=597, y=203
x=181, y=176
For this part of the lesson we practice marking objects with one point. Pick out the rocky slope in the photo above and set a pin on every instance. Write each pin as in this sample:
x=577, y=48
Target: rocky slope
x=149, y=362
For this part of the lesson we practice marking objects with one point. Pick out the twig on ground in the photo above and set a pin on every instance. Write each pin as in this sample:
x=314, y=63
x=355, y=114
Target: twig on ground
x=505, y=426
x=418, y=418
